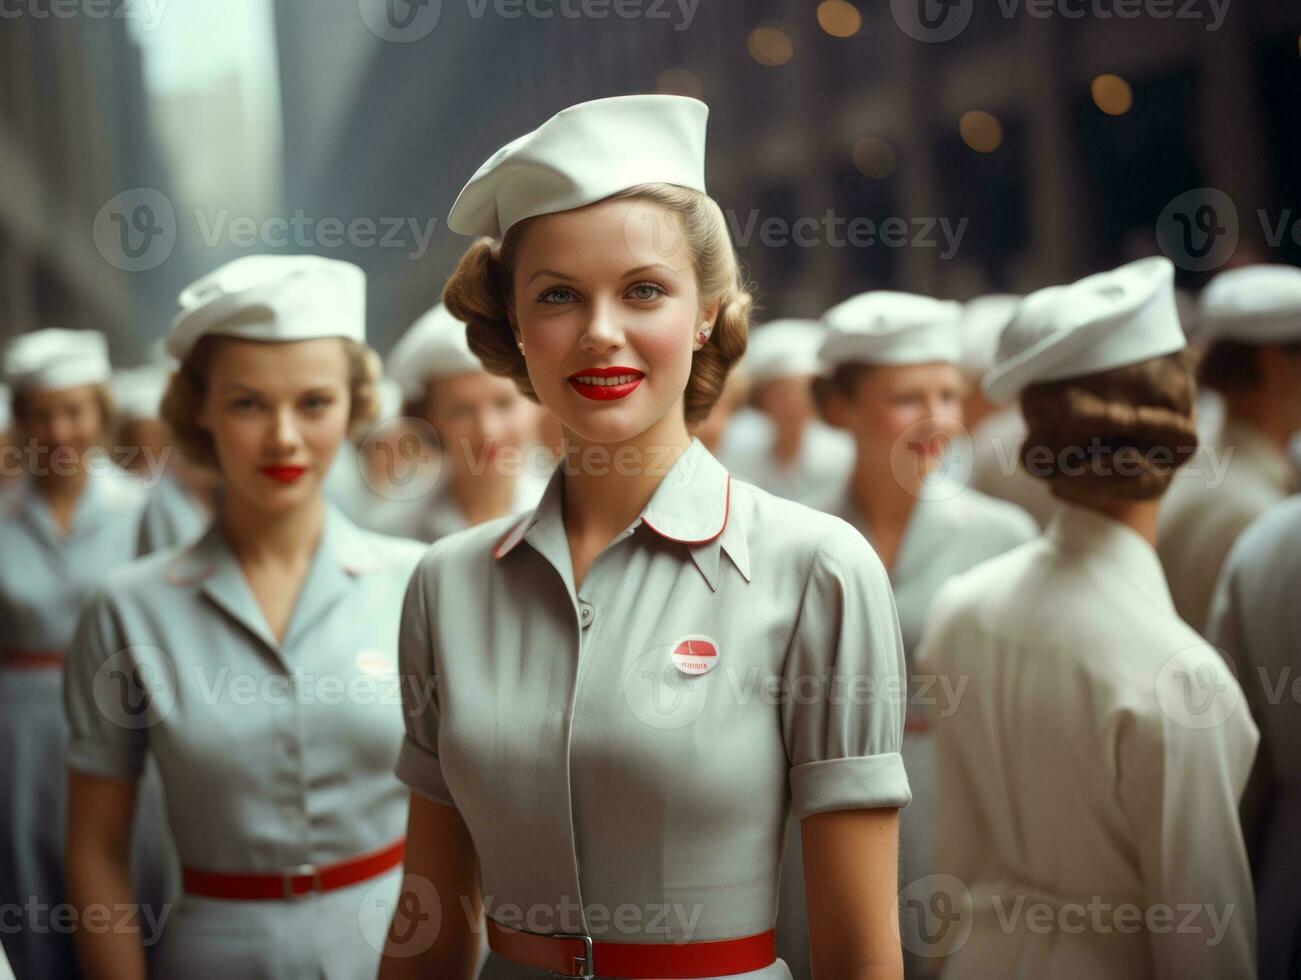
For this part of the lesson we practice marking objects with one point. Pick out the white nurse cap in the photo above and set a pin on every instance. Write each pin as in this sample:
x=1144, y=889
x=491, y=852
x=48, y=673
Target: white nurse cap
x=433, y=347
x=138, y=392
x=783, y=349
x=1104, y=321
x=390, y=400
x=274, y=298
x=884, y=327
x=983, y=321
x=583, y=154
x=55, y=358
x=1256, y=304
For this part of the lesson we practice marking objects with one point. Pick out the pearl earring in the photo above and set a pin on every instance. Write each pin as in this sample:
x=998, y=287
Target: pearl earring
x=520, y=345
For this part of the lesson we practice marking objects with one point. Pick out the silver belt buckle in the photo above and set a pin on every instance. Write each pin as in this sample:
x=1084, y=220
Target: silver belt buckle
x=302, y=871
x=587, y=971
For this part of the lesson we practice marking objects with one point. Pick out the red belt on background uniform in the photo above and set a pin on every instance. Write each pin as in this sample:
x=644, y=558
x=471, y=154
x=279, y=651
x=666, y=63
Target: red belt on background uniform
x=31, y=659
x=294, y=882
x=578, y=955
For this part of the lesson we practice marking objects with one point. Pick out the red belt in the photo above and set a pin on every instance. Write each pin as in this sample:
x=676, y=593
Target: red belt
x=32, y=659
x=577, y=955
x=296, y=881
x=916, y=725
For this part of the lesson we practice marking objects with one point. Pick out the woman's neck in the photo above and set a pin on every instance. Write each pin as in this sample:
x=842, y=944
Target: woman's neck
x=484, y=495
x=884, y=503
x=1138, y=515
x=607, y=485
x=788, y=438
x=287, y=539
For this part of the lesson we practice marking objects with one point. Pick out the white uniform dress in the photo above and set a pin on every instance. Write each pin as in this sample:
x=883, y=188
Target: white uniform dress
x=950, y=530
x=1203, y=513
x=45, y=578
x=590, y=771
x=1256, y=620
x=273, y=755
x=825, y=458
x=438, y=514
x=1089, y=779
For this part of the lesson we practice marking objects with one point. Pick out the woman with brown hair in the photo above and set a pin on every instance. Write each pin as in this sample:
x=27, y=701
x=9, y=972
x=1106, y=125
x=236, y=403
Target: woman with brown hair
x=636, y=685
x=1089, y=779
x=257, y=666
x=67, y=520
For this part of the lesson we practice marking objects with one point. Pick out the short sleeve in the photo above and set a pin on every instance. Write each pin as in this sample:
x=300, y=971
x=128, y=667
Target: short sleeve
x=418, y=763
x=845, y=683
x=103, y=691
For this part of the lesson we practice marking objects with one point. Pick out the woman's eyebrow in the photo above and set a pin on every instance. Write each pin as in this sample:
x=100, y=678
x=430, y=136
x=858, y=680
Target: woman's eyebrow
x=549, y=272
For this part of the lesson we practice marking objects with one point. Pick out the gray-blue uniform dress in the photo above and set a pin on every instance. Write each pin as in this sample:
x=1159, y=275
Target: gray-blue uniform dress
x=607, y=790
x=45, y=579
x=274, y=756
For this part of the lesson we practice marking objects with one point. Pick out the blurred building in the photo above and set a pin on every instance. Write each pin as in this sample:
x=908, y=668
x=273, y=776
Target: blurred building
x=74, y=133
x=1021, y=151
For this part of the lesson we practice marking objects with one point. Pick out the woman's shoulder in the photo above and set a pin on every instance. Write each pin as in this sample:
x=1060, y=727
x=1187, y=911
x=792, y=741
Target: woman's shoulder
x=789, y=533
x=470, y=548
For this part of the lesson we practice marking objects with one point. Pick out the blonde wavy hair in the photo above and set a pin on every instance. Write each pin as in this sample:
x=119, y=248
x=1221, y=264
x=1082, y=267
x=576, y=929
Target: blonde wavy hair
x=479, y=293
x=188, y=387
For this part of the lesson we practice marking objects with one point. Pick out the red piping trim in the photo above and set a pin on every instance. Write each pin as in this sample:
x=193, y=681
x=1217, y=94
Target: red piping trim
x=727, y=510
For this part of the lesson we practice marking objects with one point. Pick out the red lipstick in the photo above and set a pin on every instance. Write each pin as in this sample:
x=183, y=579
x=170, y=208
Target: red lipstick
x=605, y=390
x=284, y=474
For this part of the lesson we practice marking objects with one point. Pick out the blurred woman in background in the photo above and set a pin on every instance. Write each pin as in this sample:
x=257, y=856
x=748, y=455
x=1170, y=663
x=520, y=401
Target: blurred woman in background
x=258, y=665
x=69, y=520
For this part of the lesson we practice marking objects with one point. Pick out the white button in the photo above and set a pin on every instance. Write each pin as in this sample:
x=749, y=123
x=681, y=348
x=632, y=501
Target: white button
x=586, y=613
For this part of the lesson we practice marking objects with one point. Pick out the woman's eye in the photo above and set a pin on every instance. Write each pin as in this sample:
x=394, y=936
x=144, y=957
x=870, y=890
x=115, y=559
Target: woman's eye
x=646, y=291
x=557, y=295
x=316, y=403
x=242, y=404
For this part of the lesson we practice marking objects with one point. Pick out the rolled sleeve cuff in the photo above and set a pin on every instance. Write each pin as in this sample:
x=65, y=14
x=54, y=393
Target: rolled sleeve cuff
x=860, y=783
x=101, y=759
x=420, y=769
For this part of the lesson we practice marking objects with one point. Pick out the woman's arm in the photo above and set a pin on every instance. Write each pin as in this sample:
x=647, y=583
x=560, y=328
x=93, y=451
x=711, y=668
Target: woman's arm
x=851, y=861
x=97, y=866
x=442, y=869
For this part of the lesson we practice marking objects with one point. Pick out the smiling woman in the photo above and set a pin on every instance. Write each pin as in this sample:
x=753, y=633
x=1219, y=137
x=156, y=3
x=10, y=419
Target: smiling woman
x=573, y=765
x=286, y=793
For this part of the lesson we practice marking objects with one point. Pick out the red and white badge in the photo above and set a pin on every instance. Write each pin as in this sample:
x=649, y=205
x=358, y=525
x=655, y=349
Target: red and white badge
x=695, y=654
